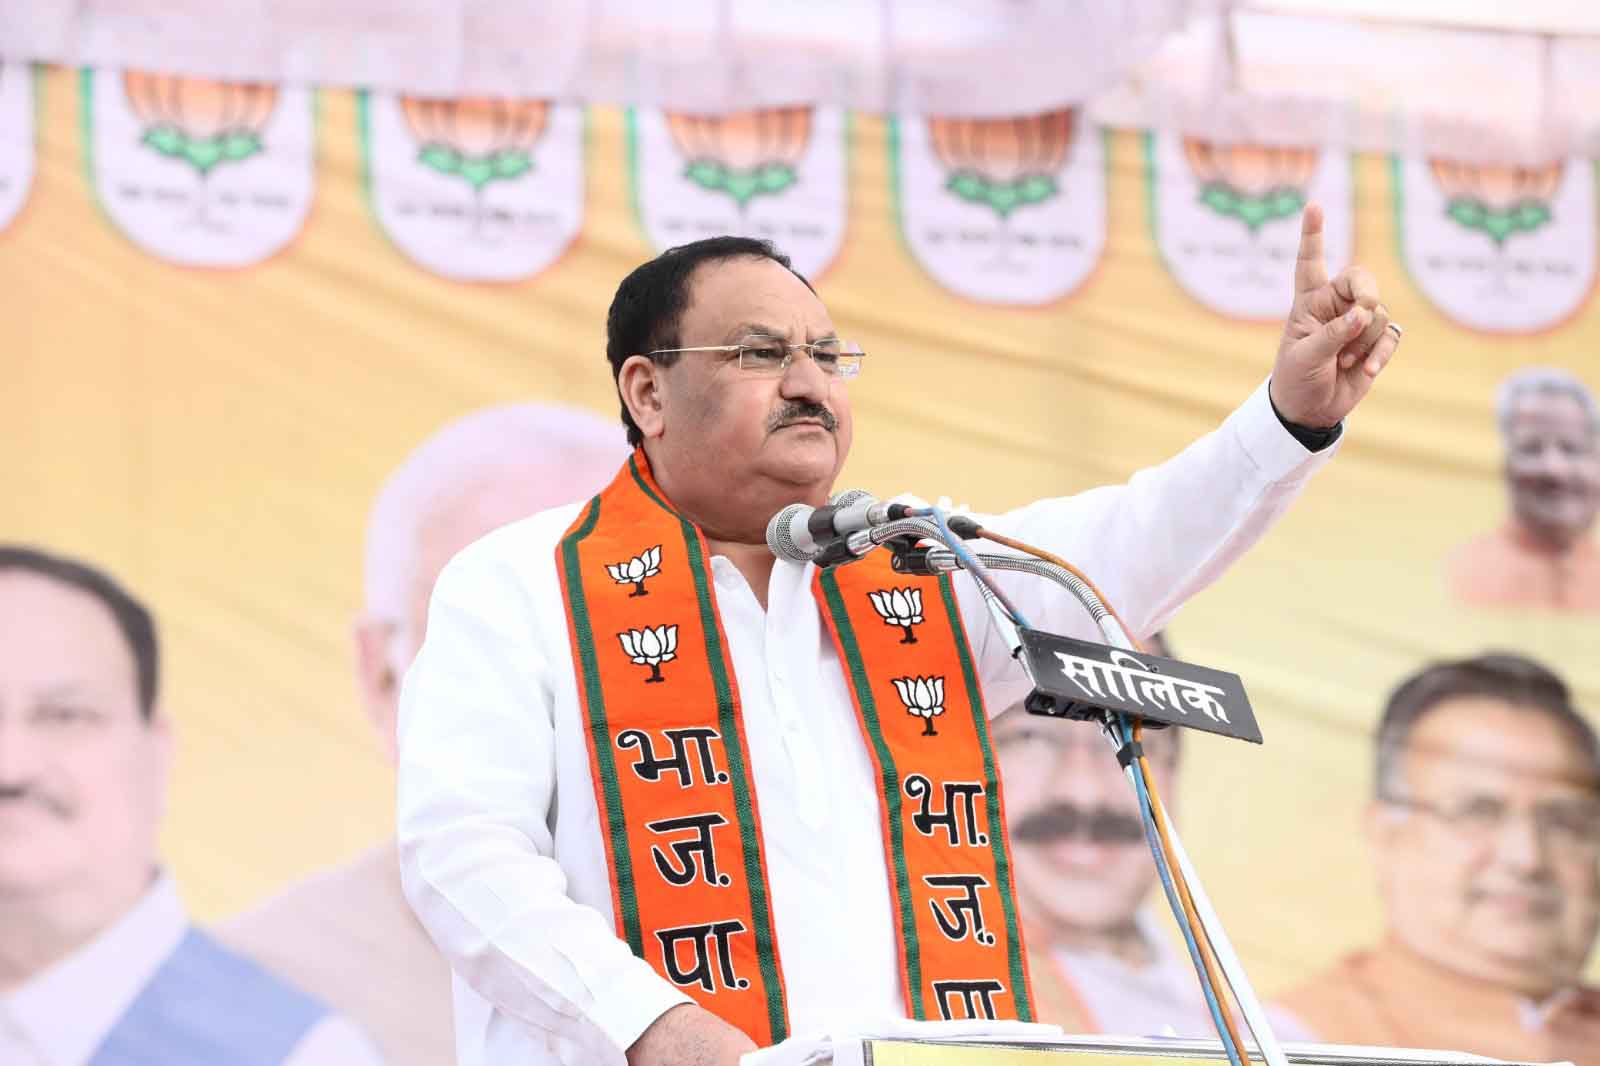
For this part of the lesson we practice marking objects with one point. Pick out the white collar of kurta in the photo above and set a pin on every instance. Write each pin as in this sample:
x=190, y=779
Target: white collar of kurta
x=67, y=1010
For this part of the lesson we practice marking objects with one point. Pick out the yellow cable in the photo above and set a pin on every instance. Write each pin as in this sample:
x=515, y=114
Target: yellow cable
x=1207, y=954
x=1202, y=941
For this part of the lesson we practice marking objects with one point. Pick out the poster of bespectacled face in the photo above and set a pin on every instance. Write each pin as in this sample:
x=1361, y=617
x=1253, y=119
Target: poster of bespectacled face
x=289, y=351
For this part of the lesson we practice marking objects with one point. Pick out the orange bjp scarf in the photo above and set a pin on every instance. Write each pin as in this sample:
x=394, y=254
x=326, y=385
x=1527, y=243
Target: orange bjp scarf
x=673, y=782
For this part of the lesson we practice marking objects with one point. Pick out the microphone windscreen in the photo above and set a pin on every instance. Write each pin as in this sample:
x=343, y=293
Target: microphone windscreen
x=780, y=533
x=849, y=497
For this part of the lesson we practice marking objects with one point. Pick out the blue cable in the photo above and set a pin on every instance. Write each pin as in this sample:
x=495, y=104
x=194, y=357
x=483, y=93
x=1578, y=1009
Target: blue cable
x=970, y=561
x=1120, y=729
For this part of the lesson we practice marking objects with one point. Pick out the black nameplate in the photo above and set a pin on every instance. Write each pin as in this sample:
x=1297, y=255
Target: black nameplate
x=1079, y=679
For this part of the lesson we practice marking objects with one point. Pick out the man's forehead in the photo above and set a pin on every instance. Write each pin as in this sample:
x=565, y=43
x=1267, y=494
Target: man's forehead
x=1487, y=742
x=1549, y=410
x=54, y=637
x=731, y=294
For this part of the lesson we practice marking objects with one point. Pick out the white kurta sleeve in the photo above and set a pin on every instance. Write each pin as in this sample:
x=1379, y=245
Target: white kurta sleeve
x=1149, y=544
x=476, y=785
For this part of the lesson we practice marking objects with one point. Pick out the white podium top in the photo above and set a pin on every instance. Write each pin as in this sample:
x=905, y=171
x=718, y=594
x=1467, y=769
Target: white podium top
x=908, y=1043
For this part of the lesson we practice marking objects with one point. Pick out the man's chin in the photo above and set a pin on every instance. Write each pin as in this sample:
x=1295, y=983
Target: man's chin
x=21, y=879
x=1527, y=961
x=802, y=458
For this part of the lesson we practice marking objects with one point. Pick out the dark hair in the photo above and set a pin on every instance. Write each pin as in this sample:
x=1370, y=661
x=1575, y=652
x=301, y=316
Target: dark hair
x=645, y=311
x=1513, y=680
x=132, y=617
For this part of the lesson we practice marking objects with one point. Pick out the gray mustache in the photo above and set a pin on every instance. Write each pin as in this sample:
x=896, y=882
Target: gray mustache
x=1065, y=821
x=791, y=413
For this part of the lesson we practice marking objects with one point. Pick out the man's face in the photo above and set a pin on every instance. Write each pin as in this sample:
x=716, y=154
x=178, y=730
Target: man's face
x=1079, y=846
x=1487, y=864
x=1552, y=466
x=499, y=496
x=82, y=774
x=736, y=445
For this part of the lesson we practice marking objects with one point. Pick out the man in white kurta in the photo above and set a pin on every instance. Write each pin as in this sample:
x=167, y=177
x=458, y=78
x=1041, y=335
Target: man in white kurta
x=500, y=839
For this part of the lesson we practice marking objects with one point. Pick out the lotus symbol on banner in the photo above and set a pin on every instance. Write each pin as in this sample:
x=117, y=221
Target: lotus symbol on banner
x=1003, y=163
x=1497, y=200
x=743, y=154
x=899, y=607
x=480, y=140
x=1253, y=183
x=646, y=564
x=923, y=697
x=202, y=122
x=651, y=646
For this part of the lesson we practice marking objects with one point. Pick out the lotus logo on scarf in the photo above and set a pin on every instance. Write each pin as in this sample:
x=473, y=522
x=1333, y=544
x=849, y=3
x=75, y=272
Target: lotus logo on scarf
x=202, y=122
x=477, y=139
x=1497, y=200
x=923, y=697
x=1003, y=163
x=651, y=646
x=1253, y=183
x=899, y=607
x=634, y=572
x=744, y=154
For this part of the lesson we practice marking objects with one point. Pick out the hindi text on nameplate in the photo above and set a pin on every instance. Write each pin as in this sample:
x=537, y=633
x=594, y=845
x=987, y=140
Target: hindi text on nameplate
x=1077, y=678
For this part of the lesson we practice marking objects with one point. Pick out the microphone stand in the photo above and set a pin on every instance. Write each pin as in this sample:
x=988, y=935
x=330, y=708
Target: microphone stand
x=914, y=560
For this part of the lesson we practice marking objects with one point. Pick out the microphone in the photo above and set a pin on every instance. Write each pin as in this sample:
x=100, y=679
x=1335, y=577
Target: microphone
x=801, y=533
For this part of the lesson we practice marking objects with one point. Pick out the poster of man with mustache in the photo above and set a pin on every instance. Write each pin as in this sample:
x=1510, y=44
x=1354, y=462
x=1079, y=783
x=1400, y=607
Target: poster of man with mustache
x=1101, y=960
x=100, y=963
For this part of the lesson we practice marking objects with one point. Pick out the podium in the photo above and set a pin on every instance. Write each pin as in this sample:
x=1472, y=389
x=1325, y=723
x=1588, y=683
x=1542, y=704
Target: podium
x=1121, y=1051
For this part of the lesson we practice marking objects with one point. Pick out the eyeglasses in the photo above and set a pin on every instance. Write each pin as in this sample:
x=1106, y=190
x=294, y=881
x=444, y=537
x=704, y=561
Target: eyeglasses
x=771, y=356
x=1481, y=818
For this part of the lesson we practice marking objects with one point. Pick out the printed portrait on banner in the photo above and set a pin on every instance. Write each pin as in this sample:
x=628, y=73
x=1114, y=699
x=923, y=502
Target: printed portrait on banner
x=1505, y=248
x=1543, y=553
x=1002, y=210
x=200, y=172
x=1226, y=217
x=1484, y=830
x=16, y=138
x=475, y=189
x=778, y=174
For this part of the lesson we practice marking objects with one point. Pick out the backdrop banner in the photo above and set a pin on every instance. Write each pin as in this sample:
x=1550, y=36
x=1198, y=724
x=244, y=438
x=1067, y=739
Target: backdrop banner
x=235, y=309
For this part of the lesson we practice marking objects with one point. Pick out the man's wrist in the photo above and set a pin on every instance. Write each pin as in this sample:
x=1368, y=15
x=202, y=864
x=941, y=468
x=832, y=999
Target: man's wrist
x=1311, y=438
x=689, y=1035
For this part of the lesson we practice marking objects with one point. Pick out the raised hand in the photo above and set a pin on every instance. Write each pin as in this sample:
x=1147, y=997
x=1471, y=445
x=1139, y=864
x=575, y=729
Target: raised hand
x=1337, y=339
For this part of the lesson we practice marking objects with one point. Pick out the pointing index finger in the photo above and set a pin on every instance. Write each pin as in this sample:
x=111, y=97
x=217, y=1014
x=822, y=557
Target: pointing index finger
x=1310, y=272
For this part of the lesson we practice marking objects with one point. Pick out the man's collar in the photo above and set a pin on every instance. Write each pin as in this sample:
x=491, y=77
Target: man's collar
x=68, y=1008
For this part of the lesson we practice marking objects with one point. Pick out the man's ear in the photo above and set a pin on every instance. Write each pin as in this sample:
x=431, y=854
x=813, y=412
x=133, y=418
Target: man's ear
x=641, y=385
x=375, y=673
x=162, y=735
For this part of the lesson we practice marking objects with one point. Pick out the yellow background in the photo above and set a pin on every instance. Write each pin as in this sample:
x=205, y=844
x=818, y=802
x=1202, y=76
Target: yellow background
x=215, y=437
